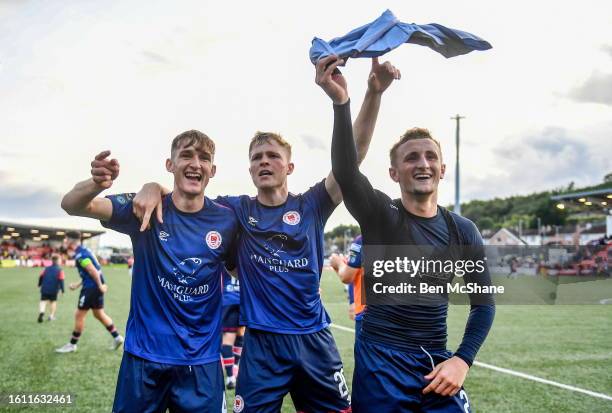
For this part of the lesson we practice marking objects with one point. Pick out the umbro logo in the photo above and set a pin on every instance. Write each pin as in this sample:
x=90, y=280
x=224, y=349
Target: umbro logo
x=394, y=207
x=163, y=236
x=252, y=221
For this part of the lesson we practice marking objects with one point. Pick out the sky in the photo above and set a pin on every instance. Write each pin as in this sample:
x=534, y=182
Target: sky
x=78, y=77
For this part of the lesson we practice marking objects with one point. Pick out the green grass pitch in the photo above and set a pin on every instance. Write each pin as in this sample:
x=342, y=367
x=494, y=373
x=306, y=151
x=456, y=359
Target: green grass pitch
x=570, y=344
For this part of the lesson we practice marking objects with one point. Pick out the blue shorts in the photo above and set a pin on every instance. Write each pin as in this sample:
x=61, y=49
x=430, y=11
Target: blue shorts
x=148, y=387
x=307, y=366
x=91, y=298
x=48, y=297
x=390, y=380
x=231, y=318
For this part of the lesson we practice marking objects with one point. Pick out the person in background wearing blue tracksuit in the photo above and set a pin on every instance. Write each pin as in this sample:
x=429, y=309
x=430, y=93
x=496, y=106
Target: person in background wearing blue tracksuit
x=50, y=282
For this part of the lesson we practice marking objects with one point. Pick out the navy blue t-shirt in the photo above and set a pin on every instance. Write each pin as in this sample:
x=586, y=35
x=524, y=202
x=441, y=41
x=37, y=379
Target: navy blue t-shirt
x=175, y=312
x=386, y=222
x=82, y=257
x=280, y=259
x=52, y=280
x=426, y=325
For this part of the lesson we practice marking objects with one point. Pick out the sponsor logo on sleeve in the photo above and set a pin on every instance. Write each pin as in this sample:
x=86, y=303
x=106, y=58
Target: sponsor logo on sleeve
x=124, y=198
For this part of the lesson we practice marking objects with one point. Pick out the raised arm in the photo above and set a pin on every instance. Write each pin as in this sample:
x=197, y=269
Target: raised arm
x=357, y=192
x=82, y=200
x=379, y=79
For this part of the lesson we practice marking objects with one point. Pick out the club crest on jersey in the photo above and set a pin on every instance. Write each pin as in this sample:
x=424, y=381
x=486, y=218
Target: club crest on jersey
x=292, y=218
x=213, y=240
x=238, y=404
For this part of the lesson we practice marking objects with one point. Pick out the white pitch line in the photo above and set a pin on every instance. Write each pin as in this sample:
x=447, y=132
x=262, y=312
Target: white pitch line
x=540, y=380
x=518, y=374
x=350, y=330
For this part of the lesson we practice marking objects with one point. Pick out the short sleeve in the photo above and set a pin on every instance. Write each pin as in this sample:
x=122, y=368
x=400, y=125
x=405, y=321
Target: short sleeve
x=318, y=198
x=354, y=260
x=84, y=262
x=123, y=219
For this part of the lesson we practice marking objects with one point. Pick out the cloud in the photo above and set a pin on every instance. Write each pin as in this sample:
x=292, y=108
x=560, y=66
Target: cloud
x=23, y=202
x=546, y=160
x=313, y=142
x=596, y=89
x=9, y=154
x=156, y=57
x=607, y=48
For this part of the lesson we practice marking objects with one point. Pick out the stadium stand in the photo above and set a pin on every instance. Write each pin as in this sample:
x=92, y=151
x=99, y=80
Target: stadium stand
x=32, y=246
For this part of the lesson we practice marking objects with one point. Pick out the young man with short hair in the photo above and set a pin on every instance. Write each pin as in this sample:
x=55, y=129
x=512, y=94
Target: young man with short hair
x=171, y=357
x=92, y=293
x=50, y=282
x=401, y=360
x=288, y=346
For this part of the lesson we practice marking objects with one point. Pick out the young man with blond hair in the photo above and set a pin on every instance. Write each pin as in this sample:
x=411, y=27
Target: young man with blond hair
x=288, y=346
x=401, y=360
x=171, y=359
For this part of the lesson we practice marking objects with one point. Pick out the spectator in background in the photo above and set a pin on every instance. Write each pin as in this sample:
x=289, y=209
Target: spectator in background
x=350, y=272
x=50, y=282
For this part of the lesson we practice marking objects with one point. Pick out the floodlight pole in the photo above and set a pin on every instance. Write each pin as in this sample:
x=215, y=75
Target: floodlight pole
x=457, y=209
x=540, y=230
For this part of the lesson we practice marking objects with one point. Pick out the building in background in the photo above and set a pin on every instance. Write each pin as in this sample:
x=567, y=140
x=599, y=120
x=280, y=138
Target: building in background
x=32, y=245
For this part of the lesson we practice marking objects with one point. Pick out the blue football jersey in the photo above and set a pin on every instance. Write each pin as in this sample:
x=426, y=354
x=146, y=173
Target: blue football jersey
x=175, y=312
x=82, y=257
x=280, y=258
x=231, y=289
